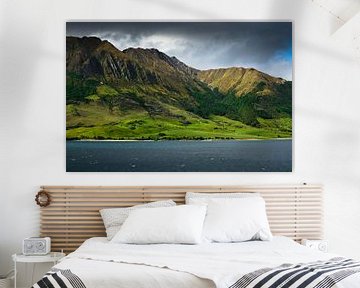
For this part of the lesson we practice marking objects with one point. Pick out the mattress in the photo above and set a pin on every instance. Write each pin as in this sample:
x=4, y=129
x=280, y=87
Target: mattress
x=99, y=263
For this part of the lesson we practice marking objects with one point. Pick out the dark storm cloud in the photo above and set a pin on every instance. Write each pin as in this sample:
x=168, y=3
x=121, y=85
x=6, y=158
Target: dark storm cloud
x=266, y=46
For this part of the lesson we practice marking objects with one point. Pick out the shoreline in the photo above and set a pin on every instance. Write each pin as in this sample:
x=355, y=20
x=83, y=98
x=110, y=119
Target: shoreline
x=185, y=140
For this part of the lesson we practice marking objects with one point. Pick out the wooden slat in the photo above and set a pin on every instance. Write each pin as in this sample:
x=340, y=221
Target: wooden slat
x=73, y=216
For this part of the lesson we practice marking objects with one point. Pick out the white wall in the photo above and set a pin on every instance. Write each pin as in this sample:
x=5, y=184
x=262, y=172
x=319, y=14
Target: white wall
x=32, y=116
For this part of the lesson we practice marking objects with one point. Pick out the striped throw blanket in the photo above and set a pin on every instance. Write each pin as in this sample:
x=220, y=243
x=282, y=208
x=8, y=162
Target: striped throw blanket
x=320, y=274
x=58, y=278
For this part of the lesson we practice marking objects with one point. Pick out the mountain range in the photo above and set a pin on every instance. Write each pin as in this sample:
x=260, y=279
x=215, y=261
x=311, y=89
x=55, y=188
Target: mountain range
x=141, y=93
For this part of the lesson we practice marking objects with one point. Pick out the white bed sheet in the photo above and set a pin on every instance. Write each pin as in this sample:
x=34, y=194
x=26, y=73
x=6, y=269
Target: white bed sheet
x=101, y=274
x=100, y=263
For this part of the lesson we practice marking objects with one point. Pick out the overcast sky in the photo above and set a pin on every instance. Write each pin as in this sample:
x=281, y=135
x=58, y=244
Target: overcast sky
x=266, y=46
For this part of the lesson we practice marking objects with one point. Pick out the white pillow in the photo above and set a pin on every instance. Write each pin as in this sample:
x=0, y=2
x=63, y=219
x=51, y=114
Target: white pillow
x=204, y=198
x=236, y=220
x=173, y=225
x=113, y=218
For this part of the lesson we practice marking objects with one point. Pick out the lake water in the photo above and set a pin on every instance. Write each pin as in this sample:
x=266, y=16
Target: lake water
x=179, y=156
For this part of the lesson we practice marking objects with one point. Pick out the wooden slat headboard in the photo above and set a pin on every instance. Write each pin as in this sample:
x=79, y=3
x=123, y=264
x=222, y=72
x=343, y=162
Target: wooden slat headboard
x=73, y=215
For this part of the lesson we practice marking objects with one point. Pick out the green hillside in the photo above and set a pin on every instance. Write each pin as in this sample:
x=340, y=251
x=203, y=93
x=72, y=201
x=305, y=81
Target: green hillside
x=145, y=94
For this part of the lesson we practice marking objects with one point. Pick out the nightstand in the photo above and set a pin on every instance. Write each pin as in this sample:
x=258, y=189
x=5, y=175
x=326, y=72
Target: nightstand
x=52, y=257
x=320, y=245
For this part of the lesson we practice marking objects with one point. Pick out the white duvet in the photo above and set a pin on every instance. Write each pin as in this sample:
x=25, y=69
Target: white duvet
x=100, y=263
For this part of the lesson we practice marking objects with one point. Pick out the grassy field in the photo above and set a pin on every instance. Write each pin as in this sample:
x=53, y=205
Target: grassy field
x=89, y=121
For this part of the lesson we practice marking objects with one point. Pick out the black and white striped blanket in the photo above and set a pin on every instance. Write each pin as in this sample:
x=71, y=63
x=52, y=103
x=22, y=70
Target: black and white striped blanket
x=57, y=278
x=320, y=274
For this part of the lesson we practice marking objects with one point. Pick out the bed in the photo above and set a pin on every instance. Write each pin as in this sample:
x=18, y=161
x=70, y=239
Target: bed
x=295, y=211
x=99, y=263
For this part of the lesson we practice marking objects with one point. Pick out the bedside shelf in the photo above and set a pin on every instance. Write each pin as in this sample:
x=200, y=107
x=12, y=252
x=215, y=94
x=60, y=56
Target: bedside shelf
x=53, y=257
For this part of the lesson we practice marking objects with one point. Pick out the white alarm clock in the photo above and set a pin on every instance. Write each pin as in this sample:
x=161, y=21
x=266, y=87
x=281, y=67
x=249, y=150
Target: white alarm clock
x=320, y=245
x=36, y=246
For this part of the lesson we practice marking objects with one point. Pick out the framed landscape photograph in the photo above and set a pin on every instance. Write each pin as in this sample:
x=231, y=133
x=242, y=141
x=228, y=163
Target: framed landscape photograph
x=179, y=96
